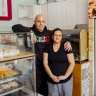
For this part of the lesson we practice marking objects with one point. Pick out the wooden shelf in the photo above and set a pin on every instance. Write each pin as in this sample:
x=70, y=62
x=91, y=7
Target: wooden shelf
x=20, y=56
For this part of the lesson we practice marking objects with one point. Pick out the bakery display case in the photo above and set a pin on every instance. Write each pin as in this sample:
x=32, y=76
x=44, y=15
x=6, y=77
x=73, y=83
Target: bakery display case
x=7, y=42
x=17, y=67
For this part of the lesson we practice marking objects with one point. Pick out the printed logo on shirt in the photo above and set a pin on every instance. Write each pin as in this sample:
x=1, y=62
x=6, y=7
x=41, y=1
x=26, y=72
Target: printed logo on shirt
x=43, y=39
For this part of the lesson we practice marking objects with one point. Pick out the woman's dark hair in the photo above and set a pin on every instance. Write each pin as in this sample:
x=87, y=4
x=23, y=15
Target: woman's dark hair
x=56, y=29
x=53, y=31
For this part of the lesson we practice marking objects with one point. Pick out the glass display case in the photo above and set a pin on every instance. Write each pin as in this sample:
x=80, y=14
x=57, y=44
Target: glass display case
x=17, y=66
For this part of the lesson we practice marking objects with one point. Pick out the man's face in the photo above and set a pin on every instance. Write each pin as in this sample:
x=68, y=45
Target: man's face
x=40, y=23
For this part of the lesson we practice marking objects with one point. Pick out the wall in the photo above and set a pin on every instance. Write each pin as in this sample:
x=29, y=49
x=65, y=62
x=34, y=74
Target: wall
x=6, y=25
x=67, y=14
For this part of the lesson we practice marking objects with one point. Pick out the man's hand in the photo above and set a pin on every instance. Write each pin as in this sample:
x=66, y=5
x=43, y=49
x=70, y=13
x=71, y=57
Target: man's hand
x=67, y=46
x=33, y=39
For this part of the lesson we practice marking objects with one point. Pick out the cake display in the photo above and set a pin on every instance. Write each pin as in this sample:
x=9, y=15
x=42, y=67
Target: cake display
x=1, y=90
x=13, y=61
x=8, y=45
x=13, y=84
x=8, y=52
x=7, y=38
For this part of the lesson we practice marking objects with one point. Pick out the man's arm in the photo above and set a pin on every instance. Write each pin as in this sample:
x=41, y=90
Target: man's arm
x=20, y=28
x=67, y=46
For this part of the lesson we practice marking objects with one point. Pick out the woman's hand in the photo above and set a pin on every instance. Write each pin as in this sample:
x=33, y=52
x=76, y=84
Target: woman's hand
x=55, y=78
x=67, y=46
x=62, y=77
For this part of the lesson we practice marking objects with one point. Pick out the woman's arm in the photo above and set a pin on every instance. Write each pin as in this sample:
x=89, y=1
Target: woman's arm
x=70, y=68
x=47, y=69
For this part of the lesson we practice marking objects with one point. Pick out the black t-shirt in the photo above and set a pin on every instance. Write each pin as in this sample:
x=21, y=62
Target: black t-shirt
x=57, y=61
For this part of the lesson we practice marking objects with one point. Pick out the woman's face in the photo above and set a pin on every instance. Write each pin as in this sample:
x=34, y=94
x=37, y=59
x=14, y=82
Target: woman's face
x=57, y=37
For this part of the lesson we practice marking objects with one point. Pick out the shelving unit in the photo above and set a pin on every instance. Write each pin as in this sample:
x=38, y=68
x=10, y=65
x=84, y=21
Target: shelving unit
x=27, y=13
x=25, y=56
x=17, y=73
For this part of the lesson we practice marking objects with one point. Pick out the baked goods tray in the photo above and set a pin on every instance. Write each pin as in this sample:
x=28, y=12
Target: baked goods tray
x=10, y=87
x=11, y=76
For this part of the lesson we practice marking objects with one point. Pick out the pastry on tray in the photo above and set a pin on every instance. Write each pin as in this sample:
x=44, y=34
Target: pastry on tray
x=6, y=72
x=8, y=86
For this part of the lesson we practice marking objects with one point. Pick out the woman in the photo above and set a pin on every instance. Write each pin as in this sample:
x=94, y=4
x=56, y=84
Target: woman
x=59, y=65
